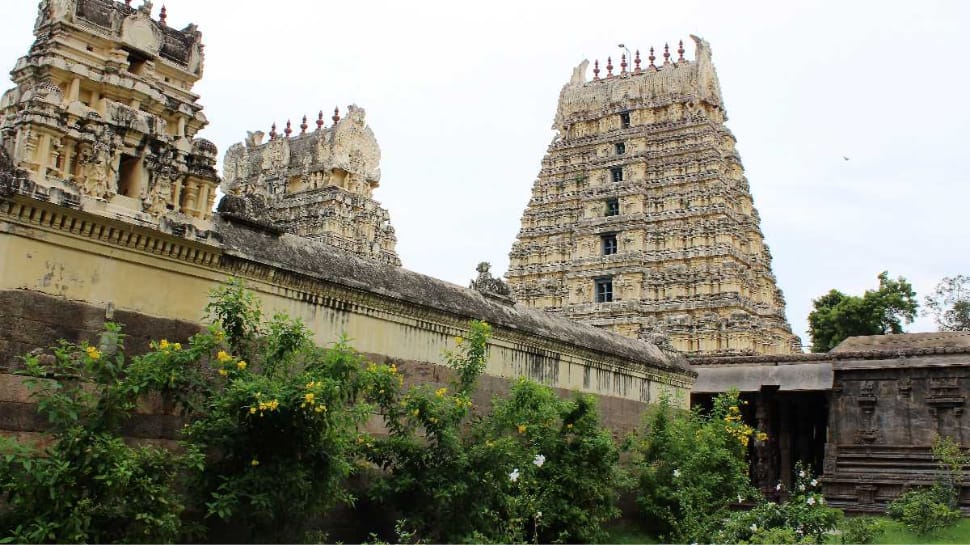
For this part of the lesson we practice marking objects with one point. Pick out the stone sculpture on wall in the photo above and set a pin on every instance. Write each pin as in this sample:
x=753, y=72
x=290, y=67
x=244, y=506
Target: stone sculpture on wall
x=642, y=215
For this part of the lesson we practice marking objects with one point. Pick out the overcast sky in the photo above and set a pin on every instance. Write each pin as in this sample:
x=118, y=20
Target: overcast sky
x=461, y=97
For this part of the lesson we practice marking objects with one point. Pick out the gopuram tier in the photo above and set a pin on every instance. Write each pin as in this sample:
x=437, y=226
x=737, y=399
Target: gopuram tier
x=641, y=220
x=316, y=184
x=103, y=117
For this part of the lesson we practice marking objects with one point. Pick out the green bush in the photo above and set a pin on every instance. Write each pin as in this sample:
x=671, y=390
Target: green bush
x=861, y=530
x=88, y=485
x=535, y=468
x=692, y=468
x=804, y=516
x=279, y=428
x=927, y=510
x=924, y=511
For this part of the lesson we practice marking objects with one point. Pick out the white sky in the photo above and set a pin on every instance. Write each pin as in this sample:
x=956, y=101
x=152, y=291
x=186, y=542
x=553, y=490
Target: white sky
x=461, y=97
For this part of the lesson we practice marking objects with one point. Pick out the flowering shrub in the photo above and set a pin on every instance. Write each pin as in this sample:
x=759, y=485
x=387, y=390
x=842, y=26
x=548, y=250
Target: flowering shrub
x=87, y=485
x=692, y=468
x=278, y=427
x=803, y=518
x=535, y=468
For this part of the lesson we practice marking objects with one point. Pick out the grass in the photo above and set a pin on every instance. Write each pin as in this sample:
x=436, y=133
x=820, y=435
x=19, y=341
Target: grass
x=625, y=531
x=896, y=533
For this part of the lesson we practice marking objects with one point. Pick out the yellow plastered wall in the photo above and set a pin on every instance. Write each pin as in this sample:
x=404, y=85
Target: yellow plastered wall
x=102, y=265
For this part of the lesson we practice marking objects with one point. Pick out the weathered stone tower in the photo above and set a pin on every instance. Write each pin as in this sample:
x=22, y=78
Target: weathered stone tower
x=103, y=116
x=316, y=184
x=641, y=220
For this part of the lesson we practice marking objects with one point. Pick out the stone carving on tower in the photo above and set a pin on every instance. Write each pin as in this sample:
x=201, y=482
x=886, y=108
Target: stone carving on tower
x=103, y=116
x=316, y=184
x=641, y=220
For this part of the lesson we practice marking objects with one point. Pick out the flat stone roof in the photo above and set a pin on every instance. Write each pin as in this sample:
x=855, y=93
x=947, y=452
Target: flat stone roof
x=905, y=341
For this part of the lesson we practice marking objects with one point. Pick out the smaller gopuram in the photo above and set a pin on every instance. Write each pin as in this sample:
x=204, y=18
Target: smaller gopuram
x=103, y=117
x=316, y=184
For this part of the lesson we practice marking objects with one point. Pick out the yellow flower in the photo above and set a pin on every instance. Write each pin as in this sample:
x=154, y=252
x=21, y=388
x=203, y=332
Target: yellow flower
x=762, y=436
x=223, y=372
x=163, y=344
x=310, y=384
x=254, y=462
x=459, y=340
x=440, y=392
x=320, y=408
x=241, y=365
x=252, y=410
x=308, y=398
x=93, y=353
x=177, y=346
x=416, y=412
x=521, y=428
x=223, y=357
x=569, y=426
x=393, y=368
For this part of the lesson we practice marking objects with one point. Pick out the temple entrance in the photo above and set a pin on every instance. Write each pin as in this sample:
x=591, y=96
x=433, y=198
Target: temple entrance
x=797, y=428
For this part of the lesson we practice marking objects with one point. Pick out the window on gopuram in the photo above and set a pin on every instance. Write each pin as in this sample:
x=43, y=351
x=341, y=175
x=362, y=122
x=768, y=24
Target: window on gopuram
x=616, y=174
x=620, y=148
x=625, y=120
x=129, y=176
x=612, y=207
x=609, y=243
x=604, y=290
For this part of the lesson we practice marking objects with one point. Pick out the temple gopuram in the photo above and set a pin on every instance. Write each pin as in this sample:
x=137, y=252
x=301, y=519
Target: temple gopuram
x=103, y=117
x=641, y=220
x=316, y=184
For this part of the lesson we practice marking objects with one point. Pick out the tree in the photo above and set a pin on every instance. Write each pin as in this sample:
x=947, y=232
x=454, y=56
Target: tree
x=950, y=303
x=838, y=316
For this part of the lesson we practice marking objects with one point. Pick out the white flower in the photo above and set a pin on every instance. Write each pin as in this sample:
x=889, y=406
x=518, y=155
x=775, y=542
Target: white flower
x=539, y=460
x=538, y=514
x=801, y=487
x=754, y=527
x=814, y=482
x=676, y=473
x=811, y=500
x=801, y=473
x=740, y=499
x=778, y=486
x=514, y=476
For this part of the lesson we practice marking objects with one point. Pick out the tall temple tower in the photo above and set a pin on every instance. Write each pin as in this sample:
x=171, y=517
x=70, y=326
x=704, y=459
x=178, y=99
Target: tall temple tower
x=103, y=116
x=641, y=220
x=316, y=184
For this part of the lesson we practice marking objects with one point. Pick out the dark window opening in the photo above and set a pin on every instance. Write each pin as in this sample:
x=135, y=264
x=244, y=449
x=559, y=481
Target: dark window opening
x=612, y=207
x=625, y=120
x=604, y=290
x=620, y=148
x=616, y=173
x=609, y=243
x=128, y=176
x=136, y=62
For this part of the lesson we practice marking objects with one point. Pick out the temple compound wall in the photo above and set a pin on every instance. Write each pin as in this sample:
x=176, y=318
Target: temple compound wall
x=106, y=214
x=641, y=220
x=866, y=413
